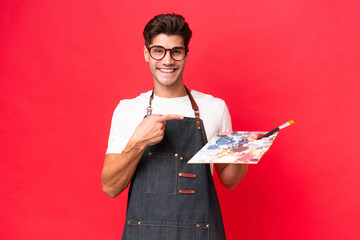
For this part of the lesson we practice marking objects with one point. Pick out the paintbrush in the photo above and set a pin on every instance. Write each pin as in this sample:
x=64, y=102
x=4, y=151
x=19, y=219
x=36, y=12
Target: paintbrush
x=277, y=129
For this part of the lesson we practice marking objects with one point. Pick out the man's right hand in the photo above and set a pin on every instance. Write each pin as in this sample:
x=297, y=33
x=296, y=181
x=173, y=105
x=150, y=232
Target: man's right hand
x=151, y=130
x=119, y=168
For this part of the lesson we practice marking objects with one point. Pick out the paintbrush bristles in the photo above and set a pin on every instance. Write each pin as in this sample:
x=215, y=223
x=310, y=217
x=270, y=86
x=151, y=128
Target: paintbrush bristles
x=286, y=124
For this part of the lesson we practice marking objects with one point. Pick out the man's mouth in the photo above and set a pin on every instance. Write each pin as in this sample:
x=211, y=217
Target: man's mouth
x=167, y=70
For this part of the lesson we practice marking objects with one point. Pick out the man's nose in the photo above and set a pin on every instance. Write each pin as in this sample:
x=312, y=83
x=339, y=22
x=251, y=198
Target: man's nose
x=168, y=60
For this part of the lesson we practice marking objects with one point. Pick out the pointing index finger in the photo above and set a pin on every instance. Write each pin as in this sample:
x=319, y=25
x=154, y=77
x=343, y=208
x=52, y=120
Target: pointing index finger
x=172, y=117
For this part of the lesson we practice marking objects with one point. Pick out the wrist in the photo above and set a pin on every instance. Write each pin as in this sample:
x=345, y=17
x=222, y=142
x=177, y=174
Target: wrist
x=137, y=144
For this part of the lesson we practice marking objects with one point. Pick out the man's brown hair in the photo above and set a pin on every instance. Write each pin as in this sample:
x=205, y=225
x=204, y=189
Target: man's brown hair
x=169, y=24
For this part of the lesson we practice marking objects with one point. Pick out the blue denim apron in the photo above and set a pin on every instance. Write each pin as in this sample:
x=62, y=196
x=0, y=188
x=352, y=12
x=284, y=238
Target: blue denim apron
x=168, y=198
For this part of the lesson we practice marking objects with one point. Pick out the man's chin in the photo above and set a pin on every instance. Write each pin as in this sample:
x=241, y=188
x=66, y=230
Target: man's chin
x=167, y=82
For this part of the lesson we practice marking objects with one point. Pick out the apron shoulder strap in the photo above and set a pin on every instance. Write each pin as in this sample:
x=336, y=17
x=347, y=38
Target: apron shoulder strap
x=195, y=108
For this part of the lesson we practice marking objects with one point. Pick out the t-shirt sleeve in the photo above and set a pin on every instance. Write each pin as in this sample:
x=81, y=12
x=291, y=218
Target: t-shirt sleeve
x=224, y=126
x=118, y=135
x=225, y=122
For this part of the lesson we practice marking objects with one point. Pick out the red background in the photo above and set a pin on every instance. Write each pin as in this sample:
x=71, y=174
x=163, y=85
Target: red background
x=64, y=66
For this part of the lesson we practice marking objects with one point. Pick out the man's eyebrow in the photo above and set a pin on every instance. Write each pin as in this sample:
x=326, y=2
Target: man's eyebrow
x=165, y=47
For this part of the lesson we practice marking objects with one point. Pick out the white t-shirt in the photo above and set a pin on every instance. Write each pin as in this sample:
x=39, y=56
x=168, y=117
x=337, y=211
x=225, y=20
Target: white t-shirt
x=130, y=112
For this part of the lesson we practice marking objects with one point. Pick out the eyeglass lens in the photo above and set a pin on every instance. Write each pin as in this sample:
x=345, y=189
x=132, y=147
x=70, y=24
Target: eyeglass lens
x=158, y=52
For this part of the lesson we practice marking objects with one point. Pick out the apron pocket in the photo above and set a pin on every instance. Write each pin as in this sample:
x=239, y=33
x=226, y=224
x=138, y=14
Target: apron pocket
x=188, y=231
x=161, y=175
x=150, y=230
x=202, y=231
x=132, y=229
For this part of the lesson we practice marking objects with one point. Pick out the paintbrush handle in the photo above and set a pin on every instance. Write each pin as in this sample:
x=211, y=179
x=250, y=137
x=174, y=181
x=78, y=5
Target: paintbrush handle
x=270, y=133
x=278, y=128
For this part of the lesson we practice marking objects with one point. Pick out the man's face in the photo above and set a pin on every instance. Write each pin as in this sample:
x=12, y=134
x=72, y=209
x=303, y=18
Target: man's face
x=166, y=71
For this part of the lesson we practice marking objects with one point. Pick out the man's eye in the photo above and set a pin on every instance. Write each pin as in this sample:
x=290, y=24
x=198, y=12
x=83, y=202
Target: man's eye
x=177, y=51
x=158, y=50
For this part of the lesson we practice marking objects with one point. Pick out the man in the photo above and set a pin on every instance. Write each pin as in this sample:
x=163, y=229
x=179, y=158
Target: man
x=168, y=198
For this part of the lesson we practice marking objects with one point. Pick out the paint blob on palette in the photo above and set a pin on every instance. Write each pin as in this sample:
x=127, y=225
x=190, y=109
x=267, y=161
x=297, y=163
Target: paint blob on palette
x=234, y=147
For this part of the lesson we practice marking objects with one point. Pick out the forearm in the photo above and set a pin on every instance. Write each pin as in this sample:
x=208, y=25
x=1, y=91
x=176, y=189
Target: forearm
x=119, y=168
x=230, y=175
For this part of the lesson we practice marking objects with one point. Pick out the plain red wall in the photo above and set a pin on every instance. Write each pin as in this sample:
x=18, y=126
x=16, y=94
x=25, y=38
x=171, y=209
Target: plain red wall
x=64, y=66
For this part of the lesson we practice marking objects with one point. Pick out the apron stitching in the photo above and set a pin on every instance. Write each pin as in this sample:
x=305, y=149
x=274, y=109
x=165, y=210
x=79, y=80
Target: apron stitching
x=167, y=231
x=209, y=233
x=196, y=233
x=166, y=225
x=140, y=232
x=177, y=170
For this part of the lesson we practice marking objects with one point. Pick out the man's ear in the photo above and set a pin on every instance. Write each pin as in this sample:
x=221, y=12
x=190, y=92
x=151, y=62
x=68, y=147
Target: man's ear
x=186, y=58
x=146, y=54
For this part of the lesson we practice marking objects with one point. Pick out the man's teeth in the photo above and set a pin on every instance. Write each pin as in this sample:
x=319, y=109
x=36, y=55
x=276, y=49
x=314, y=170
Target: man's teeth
x=167, y=70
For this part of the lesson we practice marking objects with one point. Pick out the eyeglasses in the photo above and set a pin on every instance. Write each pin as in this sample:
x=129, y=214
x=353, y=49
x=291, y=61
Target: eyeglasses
x=176, y=53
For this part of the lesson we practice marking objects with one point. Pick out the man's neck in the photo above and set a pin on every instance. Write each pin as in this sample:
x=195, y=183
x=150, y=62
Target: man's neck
x=177, y=90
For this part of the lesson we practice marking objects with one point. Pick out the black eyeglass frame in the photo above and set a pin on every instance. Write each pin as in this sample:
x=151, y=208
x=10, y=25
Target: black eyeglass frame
x=168, y=49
